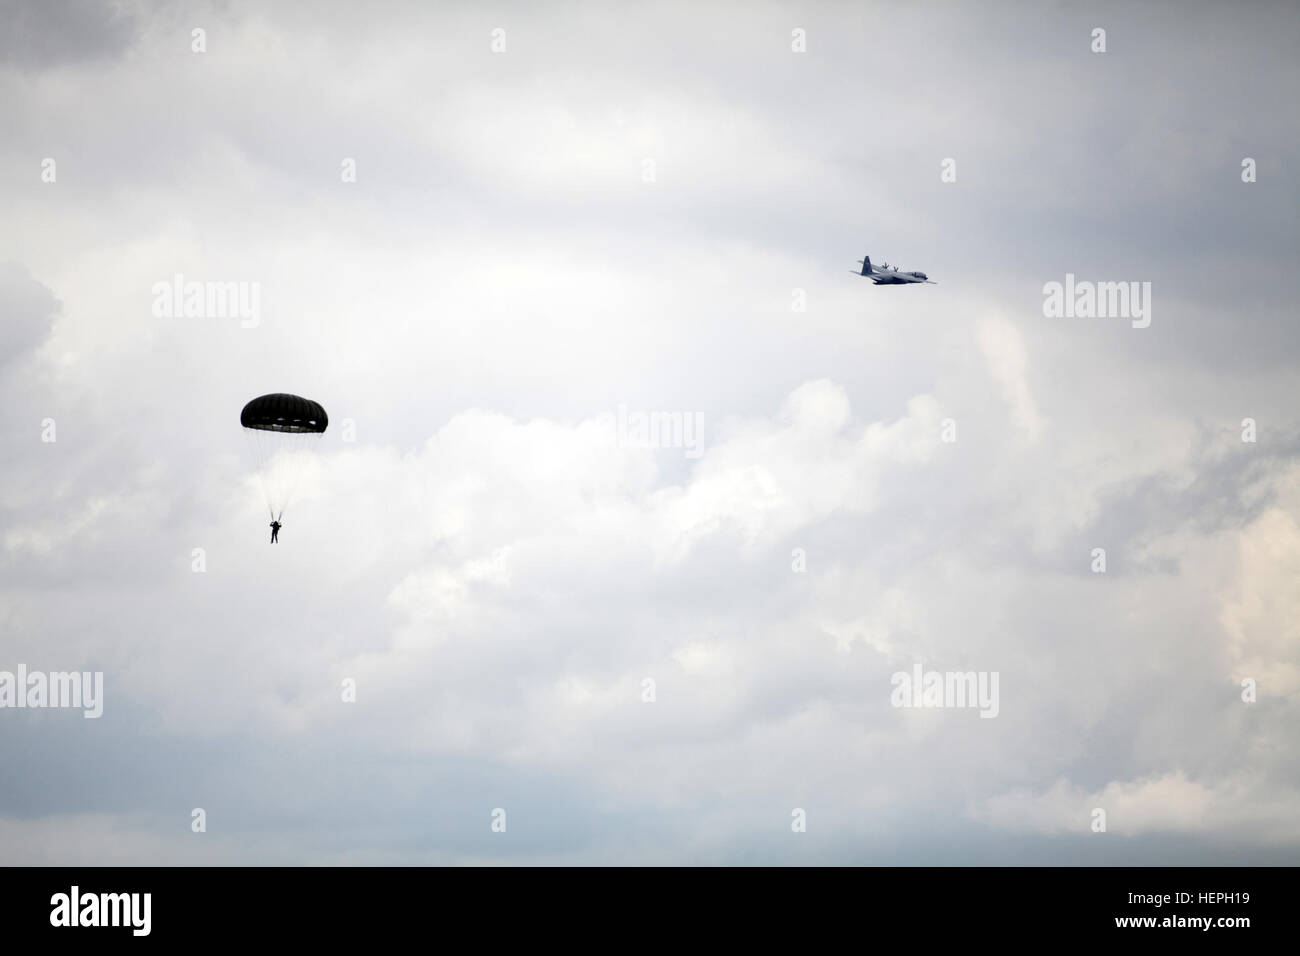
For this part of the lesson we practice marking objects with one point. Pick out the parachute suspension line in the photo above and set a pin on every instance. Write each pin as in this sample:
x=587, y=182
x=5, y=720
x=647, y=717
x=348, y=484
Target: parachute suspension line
x=257, y=449
x=277, y=463
x=294, y=448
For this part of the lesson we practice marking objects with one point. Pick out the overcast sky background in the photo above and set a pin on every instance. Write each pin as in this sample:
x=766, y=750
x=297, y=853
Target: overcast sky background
x=499, y=580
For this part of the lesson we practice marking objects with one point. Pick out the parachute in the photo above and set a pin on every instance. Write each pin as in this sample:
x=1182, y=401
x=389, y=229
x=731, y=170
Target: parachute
x=281, y=430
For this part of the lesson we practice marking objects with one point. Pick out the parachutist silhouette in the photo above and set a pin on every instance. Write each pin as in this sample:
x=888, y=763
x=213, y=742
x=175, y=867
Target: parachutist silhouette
x=275, y=531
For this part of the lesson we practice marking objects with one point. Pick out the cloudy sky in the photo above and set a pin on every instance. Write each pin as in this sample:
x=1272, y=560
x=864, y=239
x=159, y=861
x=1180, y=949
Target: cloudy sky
x=621, y=210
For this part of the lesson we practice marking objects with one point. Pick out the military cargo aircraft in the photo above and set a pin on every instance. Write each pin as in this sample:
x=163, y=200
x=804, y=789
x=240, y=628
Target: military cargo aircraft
x=890, y=275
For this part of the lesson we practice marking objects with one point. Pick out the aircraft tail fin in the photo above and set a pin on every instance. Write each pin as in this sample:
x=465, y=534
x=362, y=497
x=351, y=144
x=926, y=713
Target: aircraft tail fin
x=866, y=265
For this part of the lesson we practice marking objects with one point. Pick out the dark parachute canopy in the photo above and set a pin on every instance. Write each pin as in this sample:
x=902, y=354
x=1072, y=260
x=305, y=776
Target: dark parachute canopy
x=280, y=428
x=281, y=412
